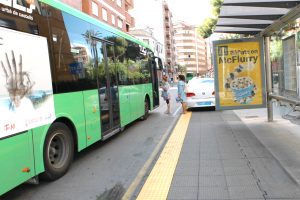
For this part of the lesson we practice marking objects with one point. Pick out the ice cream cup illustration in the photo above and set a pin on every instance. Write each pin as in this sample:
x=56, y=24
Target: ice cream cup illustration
x=242, y=89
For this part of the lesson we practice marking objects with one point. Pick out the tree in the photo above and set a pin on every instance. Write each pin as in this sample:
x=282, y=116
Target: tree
x=206, y=29
x=216, y=6
x=208, y=26
x=276, y=50
x=228, y=36
x=181, y=69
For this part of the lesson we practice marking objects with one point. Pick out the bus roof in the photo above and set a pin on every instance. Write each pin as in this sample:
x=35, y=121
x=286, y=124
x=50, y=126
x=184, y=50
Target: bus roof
x=61, y=6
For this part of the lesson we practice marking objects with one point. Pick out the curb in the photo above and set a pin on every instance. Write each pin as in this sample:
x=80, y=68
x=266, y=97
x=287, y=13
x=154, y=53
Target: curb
x=136, y=185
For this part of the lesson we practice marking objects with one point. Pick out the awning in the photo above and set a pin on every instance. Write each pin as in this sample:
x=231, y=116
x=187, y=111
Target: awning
x=263, y=3
x=252, y=16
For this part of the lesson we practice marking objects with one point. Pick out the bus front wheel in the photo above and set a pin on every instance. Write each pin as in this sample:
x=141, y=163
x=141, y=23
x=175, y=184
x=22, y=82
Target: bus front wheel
x=58, y=151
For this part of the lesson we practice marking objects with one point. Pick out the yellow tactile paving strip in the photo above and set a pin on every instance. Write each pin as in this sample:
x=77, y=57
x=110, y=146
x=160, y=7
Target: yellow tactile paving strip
x=159, y=181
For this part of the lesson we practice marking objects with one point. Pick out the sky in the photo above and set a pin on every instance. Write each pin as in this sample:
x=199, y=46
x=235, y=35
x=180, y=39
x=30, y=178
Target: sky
x=190, y=11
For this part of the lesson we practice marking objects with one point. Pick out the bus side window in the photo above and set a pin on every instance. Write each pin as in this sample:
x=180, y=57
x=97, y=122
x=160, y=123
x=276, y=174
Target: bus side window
x=74, y=66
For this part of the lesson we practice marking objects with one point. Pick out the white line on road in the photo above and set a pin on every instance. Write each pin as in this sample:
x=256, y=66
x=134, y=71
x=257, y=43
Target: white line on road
x=176, y=112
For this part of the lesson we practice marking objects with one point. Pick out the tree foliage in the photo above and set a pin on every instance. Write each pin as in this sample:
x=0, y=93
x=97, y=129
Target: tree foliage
x=181, y=69
x=276, y=50
x=208, y=26
x=206, y=29
x=216, y=6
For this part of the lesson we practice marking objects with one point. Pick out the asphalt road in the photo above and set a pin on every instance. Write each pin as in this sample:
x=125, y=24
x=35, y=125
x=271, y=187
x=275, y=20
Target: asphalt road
x=107, y=169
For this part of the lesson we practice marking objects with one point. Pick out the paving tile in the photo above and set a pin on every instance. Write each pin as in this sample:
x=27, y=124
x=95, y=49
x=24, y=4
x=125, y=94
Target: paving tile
x=210, y=181
x=208, y=146
x=185, y=181
x=237, y=155
x=213, y=171
x=237, y=170
x=277, y=190
x=257, y=152
x=183, y=193
x=210, y=157
x=209, y=152
x=188, y=156
x=187, y=171
x=235, y=163
x=213, y=193
x=245, y=192
x=211, y=163
x=240, y=180
x=229, y=149
x=189, y=163
x=193, y=151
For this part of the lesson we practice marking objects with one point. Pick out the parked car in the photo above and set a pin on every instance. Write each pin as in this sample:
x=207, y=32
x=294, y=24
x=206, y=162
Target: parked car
x=200, y=92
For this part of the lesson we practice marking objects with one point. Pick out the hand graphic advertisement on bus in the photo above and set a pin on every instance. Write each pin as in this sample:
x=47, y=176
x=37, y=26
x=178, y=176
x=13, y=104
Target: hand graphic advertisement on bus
x=18, y=82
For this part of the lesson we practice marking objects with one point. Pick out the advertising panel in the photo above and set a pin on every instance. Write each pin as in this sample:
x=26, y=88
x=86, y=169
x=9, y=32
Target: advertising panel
x=239, y=74
x=26, y=95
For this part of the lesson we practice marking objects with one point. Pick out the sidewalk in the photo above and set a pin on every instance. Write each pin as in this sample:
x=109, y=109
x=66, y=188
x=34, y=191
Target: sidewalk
x=233, y=155
x=281, y=138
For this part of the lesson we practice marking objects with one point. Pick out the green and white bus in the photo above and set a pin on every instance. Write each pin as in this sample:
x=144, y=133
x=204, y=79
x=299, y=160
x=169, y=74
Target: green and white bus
x=67, y=81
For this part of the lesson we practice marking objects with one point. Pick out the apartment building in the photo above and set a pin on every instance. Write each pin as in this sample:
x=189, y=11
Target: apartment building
x=146, y=35
x=191, y=50
x=112, y=12
x=155, y=14
x=74, y=3
x=169, y=38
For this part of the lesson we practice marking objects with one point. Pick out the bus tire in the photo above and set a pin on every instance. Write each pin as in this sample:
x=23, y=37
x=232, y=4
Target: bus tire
x=146, y=110
x=58, y=151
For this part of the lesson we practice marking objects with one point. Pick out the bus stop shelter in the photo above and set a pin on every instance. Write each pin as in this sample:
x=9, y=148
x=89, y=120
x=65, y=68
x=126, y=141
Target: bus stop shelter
x=267, y=19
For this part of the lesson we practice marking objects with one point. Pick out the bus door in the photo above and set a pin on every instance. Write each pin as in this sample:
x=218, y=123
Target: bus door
x=156, y=69
x=107, y=88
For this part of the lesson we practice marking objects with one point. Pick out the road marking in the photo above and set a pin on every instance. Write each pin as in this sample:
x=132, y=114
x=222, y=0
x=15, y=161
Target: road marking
x=159, y=181
x=177, y=110
x=137, y=181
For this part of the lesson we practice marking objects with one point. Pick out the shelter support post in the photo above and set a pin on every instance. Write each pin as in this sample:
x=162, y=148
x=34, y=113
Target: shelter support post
x=268, y=79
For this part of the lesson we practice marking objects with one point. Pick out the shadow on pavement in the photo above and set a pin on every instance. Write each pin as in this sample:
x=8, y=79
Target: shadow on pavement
x=202, y=109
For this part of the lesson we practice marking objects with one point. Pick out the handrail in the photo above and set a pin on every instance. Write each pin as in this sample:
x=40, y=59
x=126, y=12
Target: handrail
x=281, y=98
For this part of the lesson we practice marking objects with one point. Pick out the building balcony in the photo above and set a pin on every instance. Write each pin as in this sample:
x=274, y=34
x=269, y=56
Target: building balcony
x=129, y=19
x=169, y=60
x=129, y=3
x=166, y=8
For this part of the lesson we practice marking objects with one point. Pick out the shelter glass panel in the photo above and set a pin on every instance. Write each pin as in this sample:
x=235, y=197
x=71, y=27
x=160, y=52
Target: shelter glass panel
x=285, y=60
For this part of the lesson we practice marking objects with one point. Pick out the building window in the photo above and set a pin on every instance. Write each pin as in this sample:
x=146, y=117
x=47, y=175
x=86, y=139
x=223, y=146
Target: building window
x=146, y=41
x=120, y=23
x=119, y=3
x=104, y=14
x=113, y=19
x=94, y=8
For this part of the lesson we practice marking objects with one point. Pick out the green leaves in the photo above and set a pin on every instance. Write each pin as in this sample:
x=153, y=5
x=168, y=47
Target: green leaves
x=208, y=26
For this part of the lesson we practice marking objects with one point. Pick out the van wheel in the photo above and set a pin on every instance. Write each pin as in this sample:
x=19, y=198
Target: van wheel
x=146, y=110
x=58, y=151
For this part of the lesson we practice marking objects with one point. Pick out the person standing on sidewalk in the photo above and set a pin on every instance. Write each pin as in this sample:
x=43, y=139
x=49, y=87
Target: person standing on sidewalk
x=165, y=93
x=181, y=93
